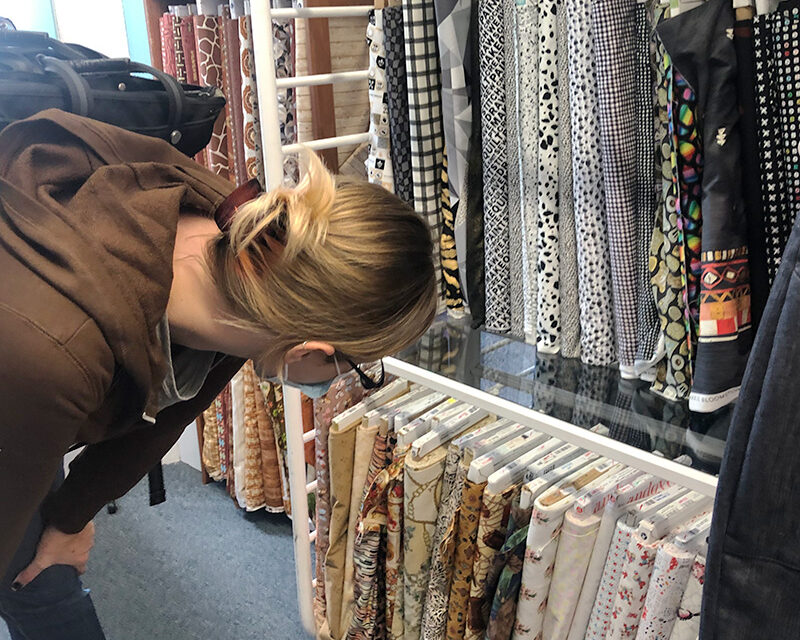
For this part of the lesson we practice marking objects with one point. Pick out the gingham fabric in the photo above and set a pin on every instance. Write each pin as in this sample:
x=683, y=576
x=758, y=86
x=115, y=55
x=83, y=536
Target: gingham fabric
x=614, y=27
x=397, y=92
x=491, y=39
x=424, y=112
x=591, y=229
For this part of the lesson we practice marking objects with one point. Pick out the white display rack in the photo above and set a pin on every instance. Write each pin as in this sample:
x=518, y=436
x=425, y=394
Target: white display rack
x=304, y=537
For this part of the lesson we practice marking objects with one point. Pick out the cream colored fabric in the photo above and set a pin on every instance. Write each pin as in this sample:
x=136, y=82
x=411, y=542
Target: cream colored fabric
x=671, y=573
x=687, y=626
x=421, y=498
x=341, y=447
x=239, y=453
x=365, y=441
x=578, y=536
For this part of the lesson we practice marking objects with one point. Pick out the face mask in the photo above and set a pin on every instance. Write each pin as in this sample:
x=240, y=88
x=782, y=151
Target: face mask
x=315, y=390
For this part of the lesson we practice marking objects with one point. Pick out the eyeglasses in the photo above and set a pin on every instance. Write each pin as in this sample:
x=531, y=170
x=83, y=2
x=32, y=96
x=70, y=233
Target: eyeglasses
x=366, y=381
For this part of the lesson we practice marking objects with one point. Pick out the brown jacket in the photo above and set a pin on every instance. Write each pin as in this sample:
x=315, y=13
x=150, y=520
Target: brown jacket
x=88, y=215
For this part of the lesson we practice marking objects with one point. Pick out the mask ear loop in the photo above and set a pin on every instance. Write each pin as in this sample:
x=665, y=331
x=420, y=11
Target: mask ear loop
x=336, y=364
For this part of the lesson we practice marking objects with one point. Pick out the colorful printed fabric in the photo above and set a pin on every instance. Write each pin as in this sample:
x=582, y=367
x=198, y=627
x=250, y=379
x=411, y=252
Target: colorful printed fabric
x=687, y=624
x=548, y=324
x=495, y=510
x=379, y=161
x=600, y=620
x=596, y=311
x=232, y=61
x=575, y=547
x=424, y=112
x=777, y=86
x=344, y=393
x=635, y=574
x=394, y=547
x=210, y=453
x=511, y=556
x=447, y=246
x=208, y=34
x=667, y=265
x=167, y=45
x=397, y=93
x=177, y=45
x=465, y=545
x=434, y=617
x=254, y=477
x=283, y=39
x=491, y=42
x=690, y=176
x=421, y=498
x=667, y=585
x=614, y=28
x=270, y=462
x=189, y=50
x=254, y=159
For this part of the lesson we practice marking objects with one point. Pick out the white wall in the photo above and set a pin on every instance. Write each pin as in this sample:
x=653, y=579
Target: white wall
x=97, y=24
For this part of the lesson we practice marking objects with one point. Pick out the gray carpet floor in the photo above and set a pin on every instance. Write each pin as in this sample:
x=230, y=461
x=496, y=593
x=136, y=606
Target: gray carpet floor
x=195, y=567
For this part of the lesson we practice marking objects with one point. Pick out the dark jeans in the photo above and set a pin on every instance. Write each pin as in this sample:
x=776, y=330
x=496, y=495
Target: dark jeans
x=55, y=606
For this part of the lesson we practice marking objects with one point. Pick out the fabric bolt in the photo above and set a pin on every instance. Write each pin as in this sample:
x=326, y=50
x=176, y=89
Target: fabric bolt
x=594, y=277
x=421, y=498
x=693, y=40
x=397, y=93
x=511, y=557
x=777, y=84
x=516, y=223
x=189, y=50
x=575, y=547
x=667, y=267
x=434, y=618
x=221, y=437
x=344, y=393
x=548, y=324
x=254, y=477
x=177, y=46
x=635, y=574
x=614, y=29
x=690, y=176
x=273, y=396
x=227, y=88
x=648, y=335
x=751, y=171
x=527, y=20
x=424, y=112
x=208, y=34
x=283, y=39
x=362, y=458
x=394, y=546
x=270, y=463
x=379, y=161
x=231, y=55
x=491, y=39
x=687, y=623
x=341, y=448
x=448, y=254
x=210, y=453
x=670, y=576
x=253, y=157
x=167, y=45
x=569, y=310
x=464, y=555
x=600, y=620
x=492, y=526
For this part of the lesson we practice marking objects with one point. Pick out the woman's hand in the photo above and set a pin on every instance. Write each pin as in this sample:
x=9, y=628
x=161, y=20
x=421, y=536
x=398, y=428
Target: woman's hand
x=56, y=547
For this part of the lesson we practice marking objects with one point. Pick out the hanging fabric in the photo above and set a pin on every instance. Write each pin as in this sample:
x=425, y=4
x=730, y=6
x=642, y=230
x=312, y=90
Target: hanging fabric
x=283, y=38
x=253, y=157
x=210, y=453
x=424, y=112
x=687, y=624
x=597, y=317
x=254, y=477
x=231, y=59
x=447, y=246
x=379, y=161
x=397, y=92
x=491, y=39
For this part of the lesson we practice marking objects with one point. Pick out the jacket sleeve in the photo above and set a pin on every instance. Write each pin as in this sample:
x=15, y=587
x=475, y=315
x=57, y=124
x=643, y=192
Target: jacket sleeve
x=108, y=470
x=46, y=397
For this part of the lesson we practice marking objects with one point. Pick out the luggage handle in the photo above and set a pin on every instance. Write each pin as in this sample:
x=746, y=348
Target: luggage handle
x=175, y=95
x=78, y=89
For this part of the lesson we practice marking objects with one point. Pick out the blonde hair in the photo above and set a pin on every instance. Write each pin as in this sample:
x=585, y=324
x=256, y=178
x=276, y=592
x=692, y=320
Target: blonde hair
x=334, y=259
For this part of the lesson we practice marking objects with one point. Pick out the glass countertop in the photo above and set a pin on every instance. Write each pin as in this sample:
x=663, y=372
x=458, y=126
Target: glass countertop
x=567, y=389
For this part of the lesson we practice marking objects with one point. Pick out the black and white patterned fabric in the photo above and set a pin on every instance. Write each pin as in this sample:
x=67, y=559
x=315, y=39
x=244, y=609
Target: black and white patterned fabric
x=379, y=160
x=614, y=26
x=516, y=235
x=491, y=38
x=526, y=14
x=424, y=111
x=397, y=92
x=548, y=324
x=594, y=283
x=648, y=351
x=567, y=248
